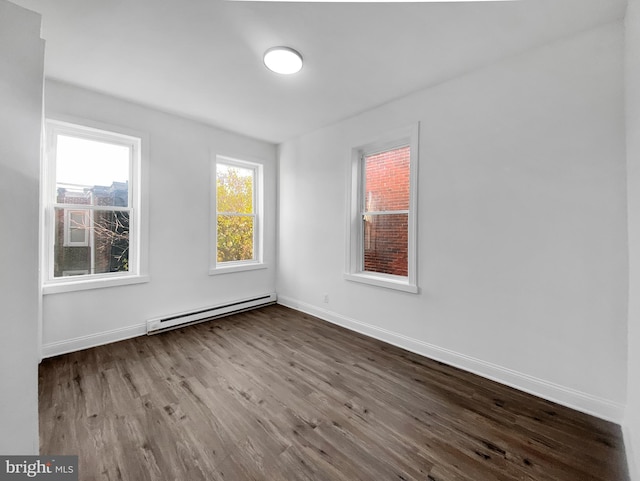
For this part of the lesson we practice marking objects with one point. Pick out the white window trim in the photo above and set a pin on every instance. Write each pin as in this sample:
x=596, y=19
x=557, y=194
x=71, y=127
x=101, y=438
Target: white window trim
x=355, y=236
x=68, y=227
x=138, y=202
x=76, y=272
x=257, y=262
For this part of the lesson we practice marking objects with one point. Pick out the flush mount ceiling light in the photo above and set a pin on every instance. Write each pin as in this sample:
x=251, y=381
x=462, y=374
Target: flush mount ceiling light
x=375, y=1
x=283, y=60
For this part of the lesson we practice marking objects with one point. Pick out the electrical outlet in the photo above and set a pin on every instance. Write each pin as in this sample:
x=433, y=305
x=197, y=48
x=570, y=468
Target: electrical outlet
x=325, y=298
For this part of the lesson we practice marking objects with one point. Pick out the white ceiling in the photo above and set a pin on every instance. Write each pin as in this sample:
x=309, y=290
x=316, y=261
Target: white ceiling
x=203, y=58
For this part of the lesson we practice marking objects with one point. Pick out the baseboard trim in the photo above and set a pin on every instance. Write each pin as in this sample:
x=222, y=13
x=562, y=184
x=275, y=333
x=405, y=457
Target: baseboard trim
x=93, y=340
x=580, y=401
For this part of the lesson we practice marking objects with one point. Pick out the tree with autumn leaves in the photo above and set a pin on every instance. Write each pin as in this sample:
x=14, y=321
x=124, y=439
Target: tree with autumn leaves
x=235, y=219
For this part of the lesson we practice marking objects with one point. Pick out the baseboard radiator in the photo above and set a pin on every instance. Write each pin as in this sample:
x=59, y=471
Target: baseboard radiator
x=174, y=321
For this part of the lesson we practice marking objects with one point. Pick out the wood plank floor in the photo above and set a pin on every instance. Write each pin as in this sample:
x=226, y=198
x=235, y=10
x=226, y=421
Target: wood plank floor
x=274, y=394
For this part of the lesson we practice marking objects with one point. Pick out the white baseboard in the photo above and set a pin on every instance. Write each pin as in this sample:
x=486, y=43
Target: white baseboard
x=580, y=401
x=93, y=340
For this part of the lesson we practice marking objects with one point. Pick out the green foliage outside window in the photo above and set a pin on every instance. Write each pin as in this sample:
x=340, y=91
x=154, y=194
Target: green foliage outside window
x=235, y=219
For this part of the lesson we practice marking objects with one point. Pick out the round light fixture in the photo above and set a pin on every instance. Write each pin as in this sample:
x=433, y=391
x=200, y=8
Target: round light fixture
x=283, y=60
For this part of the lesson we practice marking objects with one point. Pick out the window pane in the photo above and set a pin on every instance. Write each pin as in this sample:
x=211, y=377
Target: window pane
x=104, y=246
x=234, y=189
x=387, y=180
x=76, y=235
x=386, y=243
x=78, y=225
x=235, y=238
x=91, y=172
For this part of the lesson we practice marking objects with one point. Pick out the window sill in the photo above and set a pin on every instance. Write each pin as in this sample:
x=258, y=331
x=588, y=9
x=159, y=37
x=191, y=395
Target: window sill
x=214, y=271
x=60, y=286
x=398, y=284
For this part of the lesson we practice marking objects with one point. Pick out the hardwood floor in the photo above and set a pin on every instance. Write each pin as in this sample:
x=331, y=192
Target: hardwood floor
x=273, y=394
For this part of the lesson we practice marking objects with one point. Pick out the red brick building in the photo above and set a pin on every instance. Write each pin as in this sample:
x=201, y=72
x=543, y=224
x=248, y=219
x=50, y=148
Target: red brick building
x=387, y=199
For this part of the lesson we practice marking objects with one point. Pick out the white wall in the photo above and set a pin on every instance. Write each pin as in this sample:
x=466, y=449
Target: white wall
x=522, y=223
x=21, y=82
x=180, y=151
x=632, y=421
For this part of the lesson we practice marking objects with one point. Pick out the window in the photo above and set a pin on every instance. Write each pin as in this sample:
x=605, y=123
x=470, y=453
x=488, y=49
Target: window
x=237, y=203
x=92, y=206
x=382, y=218
x=76, y=229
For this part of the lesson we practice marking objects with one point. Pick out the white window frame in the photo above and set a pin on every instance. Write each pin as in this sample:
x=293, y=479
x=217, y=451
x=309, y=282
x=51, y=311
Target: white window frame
x=354, y=269
x=216, y=267
x=77, y=272
x=137, y=205
x=67, y=242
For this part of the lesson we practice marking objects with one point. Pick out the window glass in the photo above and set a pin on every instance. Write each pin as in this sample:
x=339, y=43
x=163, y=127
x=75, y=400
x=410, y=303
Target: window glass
x=77, y=226
x=385, y=244
x=90, y=201
x=385, y=217
x=387, y=180
x=91, y=172
x=235, y=238
x=235, y=223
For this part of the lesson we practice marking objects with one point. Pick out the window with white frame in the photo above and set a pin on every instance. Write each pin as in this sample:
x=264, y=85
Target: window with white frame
x=237, y=227
x=382, y=219
x=76, y=228
x=92, y=204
